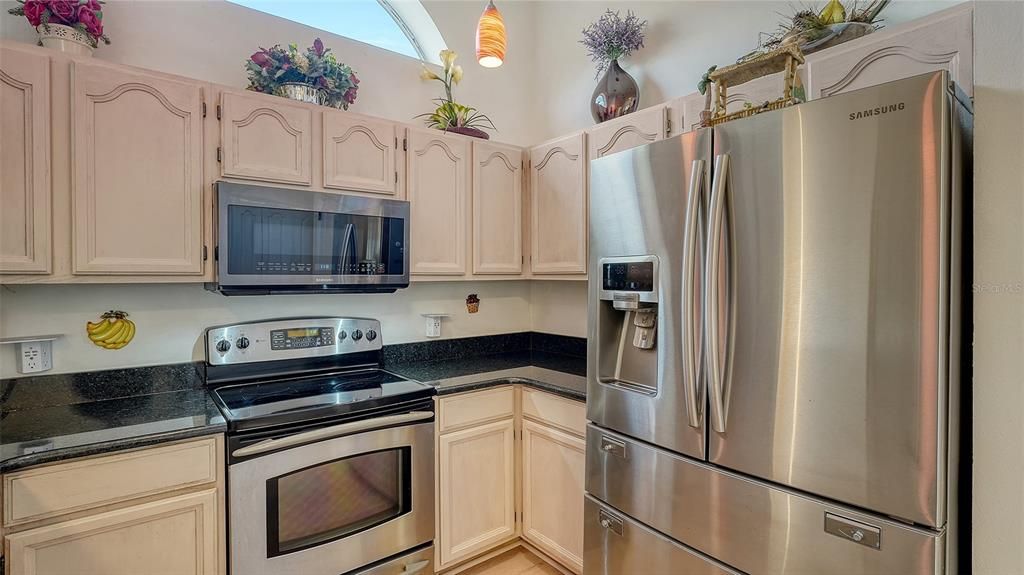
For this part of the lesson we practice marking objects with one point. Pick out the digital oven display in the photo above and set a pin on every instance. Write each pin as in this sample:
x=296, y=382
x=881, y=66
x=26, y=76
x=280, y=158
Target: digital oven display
x=300, y=338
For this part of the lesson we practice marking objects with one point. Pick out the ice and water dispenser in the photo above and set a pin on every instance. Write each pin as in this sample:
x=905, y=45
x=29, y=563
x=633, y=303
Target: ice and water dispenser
x=628, y=319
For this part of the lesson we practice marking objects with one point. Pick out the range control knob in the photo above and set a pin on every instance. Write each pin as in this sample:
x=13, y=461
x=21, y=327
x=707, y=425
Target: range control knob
x=342, y=335
x=223, y=346
x=242, y=342
x=371, y=335
x=357, y=335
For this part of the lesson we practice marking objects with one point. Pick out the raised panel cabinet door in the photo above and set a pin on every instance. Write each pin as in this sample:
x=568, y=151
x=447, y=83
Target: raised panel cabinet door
x=438, y=193
x=174, y=536
x=264, y=139
x=359, y=153
x=630, y=131
x=941, y=41
x=477, y=490
x=497, y=209
x=137, y=173
x=684, y=113
x=558, y=207
x=24, y=162
x=553, y=470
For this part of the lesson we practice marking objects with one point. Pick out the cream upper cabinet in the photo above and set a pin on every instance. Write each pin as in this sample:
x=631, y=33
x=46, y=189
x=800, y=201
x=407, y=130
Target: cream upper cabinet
x=636, y=129
x=941, y=41
x=438, y=193
x=553, y=467
x=24, y=162
x=558, y=206
x=137, y=173
x=266, y=138
x=684, y=113
x=476, y=507
x=359, y=153
x=497, y=209
x=173, y=536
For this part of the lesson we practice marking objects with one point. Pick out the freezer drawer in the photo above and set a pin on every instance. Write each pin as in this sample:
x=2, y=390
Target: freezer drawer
x=752, y=526
x=614, y=544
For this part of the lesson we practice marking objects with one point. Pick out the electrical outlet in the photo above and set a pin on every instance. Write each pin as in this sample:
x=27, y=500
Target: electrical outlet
x=35, y=356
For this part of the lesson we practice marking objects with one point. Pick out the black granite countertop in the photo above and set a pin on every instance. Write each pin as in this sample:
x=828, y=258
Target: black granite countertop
x=52, y=418
x=560, y=374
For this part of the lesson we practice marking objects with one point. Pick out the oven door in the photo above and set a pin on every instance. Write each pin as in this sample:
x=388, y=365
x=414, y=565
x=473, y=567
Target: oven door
x=276, y=240
x=334, y=504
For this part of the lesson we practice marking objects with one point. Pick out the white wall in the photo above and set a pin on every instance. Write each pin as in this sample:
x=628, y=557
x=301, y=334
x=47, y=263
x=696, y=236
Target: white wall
x=559, y=307
x=683, y=40
x=170, y=318
x=211, y=40
x=999, y=288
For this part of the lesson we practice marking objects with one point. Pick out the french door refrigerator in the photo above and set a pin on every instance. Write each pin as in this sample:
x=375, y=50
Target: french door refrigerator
x=774, y=341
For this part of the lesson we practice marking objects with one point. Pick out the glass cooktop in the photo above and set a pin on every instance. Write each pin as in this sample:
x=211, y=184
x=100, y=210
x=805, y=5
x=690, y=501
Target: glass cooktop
x=317, y=396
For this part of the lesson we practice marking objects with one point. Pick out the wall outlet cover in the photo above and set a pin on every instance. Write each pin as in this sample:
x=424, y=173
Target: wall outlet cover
x=35, y=356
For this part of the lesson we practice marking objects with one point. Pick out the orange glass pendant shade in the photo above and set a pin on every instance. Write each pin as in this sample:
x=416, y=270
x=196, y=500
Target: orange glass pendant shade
x=490, y=38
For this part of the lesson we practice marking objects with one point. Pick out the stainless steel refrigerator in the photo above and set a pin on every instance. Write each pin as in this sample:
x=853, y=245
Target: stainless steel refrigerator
x=774, y=350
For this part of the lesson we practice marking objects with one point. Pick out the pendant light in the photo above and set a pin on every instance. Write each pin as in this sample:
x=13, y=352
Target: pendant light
x=490, y=38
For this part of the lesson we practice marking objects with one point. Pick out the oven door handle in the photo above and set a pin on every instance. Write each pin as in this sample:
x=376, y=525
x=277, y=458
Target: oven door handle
x=329, y=432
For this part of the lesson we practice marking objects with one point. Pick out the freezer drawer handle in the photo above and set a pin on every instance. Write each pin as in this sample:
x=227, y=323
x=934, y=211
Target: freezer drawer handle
x=691, y=338
x=610, y=522
x=416, y=567
x=867, y=535
x=613, y=446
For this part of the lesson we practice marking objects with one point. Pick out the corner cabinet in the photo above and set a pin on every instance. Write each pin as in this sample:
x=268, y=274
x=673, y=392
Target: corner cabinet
x=438, y=193
x=497, y=209
x=265, y=138
x=558, y=206
x=636, y=129
x=476, y=474
x=359, y=153
x=25, y=194
x=137, y=173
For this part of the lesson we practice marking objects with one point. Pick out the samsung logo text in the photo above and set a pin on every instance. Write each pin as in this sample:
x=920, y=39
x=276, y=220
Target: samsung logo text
x=877, y=111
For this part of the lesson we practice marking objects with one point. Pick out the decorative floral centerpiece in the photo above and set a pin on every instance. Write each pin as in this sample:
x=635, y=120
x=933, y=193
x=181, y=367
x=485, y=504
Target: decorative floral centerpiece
x=65, y=24
x=834, y=24
x=451, y=116
x=610, y=38
x=313, y=76
x=613, y=37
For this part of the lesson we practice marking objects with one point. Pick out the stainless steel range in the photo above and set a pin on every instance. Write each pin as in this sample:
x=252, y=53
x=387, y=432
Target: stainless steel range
x=330, y=458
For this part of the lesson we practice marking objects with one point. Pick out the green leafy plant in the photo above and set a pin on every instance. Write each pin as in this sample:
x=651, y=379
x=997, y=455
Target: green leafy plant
x=449, y=114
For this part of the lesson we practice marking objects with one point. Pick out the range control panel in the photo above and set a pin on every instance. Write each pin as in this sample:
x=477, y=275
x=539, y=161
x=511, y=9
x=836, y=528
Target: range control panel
x=294, y=338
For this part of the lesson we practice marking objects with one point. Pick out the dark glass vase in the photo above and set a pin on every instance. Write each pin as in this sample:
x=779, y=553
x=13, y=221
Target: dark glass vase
x=616, y=94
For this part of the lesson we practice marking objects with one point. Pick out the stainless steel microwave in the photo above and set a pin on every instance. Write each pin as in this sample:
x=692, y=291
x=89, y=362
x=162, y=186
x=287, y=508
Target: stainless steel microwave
x=278, y=240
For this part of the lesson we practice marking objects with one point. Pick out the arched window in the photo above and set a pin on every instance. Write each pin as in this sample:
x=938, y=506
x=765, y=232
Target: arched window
x=401, y=26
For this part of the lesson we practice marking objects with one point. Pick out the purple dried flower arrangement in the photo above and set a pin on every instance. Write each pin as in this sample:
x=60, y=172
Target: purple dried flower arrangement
x=613, y=37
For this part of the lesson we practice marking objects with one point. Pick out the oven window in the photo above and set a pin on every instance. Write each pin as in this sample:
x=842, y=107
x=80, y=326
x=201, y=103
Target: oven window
x=335, y=499
x=273, y=241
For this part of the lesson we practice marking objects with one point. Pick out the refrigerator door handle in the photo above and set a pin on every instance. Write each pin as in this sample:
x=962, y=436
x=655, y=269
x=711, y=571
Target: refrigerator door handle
x=691, y=337
x=717, y=390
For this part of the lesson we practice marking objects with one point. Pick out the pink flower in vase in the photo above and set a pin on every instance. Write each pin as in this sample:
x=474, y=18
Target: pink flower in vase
x=34, y=11
x=64, y=11
x=93, y=25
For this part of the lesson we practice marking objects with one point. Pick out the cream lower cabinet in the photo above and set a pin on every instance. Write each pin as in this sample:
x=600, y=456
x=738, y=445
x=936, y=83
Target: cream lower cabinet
x=477, y=490
x=510, y=465
x=553, y=467
x=175, y=536
x=157, y=511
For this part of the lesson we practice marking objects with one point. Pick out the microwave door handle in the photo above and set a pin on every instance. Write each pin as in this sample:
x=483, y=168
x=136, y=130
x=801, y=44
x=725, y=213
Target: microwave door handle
x=330, y=432
x=716, y=222
x=691, y=338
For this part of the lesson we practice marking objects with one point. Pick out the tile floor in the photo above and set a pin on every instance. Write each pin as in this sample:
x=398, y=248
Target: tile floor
x=517, y=561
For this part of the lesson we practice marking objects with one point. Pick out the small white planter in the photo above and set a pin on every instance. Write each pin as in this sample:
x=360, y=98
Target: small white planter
x=66, y=39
